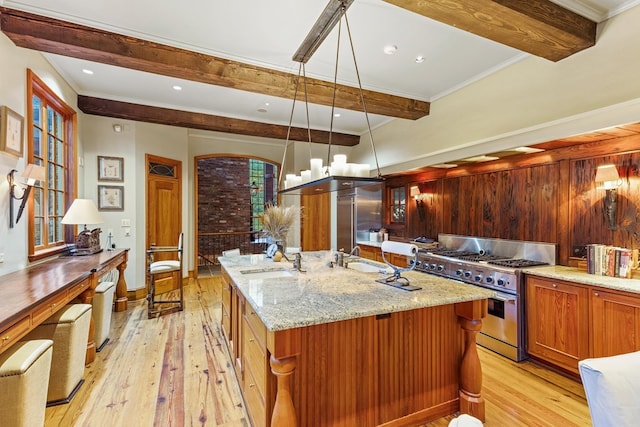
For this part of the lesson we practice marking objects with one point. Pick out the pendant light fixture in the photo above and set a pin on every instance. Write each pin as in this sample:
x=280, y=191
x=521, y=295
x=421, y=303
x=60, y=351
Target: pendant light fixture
x=337, y=174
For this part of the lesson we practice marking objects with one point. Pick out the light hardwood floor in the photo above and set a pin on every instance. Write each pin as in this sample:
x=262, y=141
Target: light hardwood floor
x=175, y=371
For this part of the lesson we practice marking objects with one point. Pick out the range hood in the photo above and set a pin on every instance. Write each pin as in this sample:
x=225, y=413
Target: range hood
x=329, y=184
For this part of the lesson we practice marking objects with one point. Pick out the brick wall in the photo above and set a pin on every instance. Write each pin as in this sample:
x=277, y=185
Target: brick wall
x=223, y=195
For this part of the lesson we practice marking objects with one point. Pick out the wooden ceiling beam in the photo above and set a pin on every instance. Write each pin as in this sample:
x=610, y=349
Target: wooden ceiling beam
x=539, y=27
x=68, y=39
x=167, y=116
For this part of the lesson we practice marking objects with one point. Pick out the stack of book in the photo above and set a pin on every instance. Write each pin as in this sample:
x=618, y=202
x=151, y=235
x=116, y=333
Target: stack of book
x=609, y=260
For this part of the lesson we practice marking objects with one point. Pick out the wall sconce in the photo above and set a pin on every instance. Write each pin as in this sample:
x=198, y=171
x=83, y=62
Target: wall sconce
x=607, y=177
x=31, y=174
x=419, y=198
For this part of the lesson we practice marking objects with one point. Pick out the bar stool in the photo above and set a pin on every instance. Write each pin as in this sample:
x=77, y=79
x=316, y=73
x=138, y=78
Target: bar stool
x=159, y=267
x=24, y=377
x=69, y=331
x=103, y=307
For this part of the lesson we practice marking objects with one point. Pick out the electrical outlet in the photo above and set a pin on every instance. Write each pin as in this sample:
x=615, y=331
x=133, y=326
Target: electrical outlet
x=1, y=256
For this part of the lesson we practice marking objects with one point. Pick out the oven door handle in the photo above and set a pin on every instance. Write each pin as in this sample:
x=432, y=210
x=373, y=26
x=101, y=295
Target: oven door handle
x=504, y=299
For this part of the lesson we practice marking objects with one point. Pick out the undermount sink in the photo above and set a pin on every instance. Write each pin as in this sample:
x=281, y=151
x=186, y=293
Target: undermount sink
x=267, y=273
x=365, y=267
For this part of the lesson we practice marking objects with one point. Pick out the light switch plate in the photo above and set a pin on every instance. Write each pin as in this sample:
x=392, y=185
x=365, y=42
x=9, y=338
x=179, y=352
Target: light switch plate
x=126, y=222
x=1, y=256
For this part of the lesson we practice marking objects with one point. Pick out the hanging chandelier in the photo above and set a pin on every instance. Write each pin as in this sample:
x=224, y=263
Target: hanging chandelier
x=336, y=174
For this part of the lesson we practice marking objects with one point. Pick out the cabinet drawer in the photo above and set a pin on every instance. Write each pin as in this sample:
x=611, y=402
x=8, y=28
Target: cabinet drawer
x=226, y=296
x=259, y=330
x=53, y=304
x=255, y=402
x=78, y=288
x=226, y=324
x=255, y=359
x=14, y=332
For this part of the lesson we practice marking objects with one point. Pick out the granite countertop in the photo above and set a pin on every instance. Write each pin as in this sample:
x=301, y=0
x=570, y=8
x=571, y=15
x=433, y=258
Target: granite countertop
x=323, y=294
x=575, y=275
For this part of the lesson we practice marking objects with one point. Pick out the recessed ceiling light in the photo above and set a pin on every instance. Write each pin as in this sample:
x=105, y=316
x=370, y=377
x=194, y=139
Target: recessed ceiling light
x=390, y=49
x=527, y=150
x=87, y=71
x=337, y=115
x=266, y=104
x=481, y=159
x=444, y=165
x=176, y=87
x=419, y=59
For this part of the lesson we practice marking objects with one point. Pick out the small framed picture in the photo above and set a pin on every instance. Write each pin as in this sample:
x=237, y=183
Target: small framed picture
x=110, y=198
x=11, y=127
x=110, y=168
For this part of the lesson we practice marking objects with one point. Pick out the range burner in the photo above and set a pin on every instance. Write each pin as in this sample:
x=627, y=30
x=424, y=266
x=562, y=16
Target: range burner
x=517, y=263
x=479, y=258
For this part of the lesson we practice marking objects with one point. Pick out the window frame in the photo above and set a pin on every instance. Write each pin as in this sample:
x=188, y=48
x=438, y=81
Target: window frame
x=36, y=86
x=395, y=202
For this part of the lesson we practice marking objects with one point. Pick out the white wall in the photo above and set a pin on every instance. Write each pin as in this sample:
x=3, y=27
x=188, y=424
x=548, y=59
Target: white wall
x=13, y=76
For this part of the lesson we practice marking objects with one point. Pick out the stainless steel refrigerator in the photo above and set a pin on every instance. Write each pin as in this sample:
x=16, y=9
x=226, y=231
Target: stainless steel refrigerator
x=359, y=210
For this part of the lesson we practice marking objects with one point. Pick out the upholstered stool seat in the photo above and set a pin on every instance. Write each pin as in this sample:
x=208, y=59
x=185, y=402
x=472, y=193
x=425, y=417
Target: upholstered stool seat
x=102, y=309
x=465, y=420
x=612, y=387
x=69, y=331
x=24, y=376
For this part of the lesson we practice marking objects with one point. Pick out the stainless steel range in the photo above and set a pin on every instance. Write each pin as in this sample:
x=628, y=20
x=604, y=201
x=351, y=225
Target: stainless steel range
x=495, y=264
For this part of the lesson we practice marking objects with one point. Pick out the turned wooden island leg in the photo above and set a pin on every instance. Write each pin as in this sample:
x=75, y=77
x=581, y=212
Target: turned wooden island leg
x=121, y=289
x=86, y=297
x=284, y=413
x=469, y=317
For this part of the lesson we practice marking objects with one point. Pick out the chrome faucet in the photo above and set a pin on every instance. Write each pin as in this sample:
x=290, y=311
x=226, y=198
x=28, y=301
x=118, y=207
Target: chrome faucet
x=341, y=258
x=297, y=262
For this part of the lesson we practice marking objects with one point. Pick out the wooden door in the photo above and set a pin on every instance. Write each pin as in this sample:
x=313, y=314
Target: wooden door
x=615, y=323
x=557, y=322
x=164, y=212
x=316, y=222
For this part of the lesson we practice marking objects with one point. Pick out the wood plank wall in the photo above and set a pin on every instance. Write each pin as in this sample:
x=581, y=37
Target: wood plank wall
x=548, y=197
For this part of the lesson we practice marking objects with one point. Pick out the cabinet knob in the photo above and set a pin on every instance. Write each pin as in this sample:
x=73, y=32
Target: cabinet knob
x=251, y=385
x=555, y=286
x=251, y=340
x=6, y=338
x=595, y=294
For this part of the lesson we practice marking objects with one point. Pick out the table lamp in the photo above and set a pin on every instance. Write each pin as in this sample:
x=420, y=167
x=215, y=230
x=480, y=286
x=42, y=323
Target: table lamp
x=84, y=211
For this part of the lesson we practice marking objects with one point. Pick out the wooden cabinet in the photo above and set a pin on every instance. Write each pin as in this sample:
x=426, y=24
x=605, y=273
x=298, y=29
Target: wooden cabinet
x=568, y=322
x=256, y=382
x=558, y=322
x=370, y=252
x=615, y=322
x=375, y=253
x=226, y=306
x=246, y=338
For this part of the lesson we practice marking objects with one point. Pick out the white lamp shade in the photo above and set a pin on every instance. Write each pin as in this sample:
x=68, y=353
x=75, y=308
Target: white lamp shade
x=33, y=173
x=82, y=211
x=415, y=191
x=607, y=176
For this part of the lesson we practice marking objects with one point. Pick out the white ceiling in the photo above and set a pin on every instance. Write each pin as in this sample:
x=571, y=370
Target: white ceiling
x=267, y=33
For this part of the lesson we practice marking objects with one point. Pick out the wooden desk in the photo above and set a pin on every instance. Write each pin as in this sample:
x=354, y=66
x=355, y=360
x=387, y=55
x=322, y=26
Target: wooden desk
x=30, y=296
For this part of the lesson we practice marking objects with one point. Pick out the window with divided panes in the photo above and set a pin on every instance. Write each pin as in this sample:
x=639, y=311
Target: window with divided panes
x=51, y=135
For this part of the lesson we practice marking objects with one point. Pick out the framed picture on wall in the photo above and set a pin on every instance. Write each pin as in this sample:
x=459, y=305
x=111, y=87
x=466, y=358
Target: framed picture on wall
x=110, y=168
x=11, y=125
x=110, y=198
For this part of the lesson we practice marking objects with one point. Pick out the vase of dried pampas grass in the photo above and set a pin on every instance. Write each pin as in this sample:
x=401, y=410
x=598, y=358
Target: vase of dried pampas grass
x=277, y=221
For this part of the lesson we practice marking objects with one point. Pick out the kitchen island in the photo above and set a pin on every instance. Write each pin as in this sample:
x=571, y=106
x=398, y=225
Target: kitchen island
x=330, y=346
